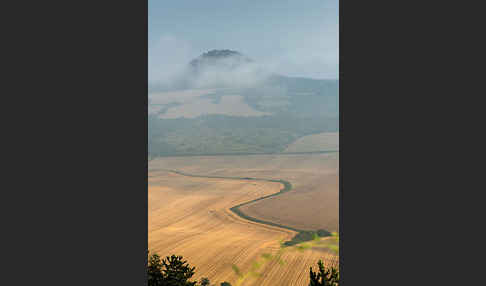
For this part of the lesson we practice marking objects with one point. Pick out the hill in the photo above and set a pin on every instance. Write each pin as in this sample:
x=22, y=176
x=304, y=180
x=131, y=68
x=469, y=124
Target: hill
x=226, y=59
x=226, y=104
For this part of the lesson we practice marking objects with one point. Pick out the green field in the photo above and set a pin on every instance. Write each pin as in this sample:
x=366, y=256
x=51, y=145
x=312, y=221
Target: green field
x=292, y=108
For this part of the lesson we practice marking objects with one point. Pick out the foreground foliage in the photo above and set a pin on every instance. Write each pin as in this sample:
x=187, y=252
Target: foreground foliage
x=325, y=277
x=174, y=271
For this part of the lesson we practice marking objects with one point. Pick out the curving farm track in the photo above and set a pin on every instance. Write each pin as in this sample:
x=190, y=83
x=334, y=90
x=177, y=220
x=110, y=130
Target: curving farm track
x=236, y=209
x=194, y=216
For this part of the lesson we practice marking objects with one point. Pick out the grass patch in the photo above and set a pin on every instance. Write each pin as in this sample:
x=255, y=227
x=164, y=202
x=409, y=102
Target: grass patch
x=306, y=235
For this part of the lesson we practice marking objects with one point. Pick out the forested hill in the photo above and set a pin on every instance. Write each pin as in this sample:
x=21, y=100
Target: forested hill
x=225, y=104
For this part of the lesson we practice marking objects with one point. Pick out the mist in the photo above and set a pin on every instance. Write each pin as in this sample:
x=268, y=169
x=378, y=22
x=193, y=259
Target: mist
x=286, y=38
x=169, y=68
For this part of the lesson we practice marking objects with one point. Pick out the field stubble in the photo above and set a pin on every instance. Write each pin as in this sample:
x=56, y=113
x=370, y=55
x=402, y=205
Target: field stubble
x=312, y=204
x=190, y=216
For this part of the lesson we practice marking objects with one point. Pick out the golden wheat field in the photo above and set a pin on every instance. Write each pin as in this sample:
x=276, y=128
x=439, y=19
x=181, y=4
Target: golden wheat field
x=190, y=216
x=313, y=202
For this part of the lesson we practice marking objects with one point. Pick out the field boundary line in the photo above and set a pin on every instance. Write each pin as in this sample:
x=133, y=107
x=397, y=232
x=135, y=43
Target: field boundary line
x=236, y=209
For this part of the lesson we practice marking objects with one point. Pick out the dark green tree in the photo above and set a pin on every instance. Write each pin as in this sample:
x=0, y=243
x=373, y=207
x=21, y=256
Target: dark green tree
x=172, y=271
x=204, y=281
x=154, y=269
x=225, y=284
x=325, y=277
x=177, y=272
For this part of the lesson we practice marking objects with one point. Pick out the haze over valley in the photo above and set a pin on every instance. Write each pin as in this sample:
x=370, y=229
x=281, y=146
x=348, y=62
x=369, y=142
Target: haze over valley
x=240, y=108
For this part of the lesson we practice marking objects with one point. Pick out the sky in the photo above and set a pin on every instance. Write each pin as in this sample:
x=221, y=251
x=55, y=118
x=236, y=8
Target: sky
x=293, y=38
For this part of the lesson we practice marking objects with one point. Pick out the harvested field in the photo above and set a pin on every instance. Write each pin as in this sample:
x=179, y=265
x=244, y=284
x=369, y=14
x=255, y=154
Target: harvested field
x=312, y=204
x=193, y=103
x=328, y=141
x=181, y=96
x=229, y=105
x=190, y=216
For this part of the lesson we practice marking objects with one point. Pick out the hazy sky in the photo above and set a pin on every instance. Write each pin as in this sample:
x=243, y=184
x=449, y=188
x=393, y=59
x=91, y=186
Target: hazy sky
x=294, y=38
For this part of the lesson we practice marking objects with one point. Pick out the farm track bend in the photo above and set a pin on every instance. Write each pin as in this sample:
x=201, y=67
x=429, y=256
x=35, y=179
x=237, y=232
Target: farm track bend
x=236, y=209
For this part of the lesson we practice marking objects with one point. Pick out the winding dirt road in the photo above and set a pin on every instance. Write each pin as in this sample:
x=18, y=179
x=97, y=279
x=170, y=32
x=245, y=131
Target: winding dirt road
x=191, y=216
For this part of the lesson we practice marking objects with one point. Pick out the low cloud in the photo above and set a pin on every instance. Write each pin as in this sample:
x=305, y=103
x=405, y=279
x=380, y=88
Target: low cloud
x=169, y=58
